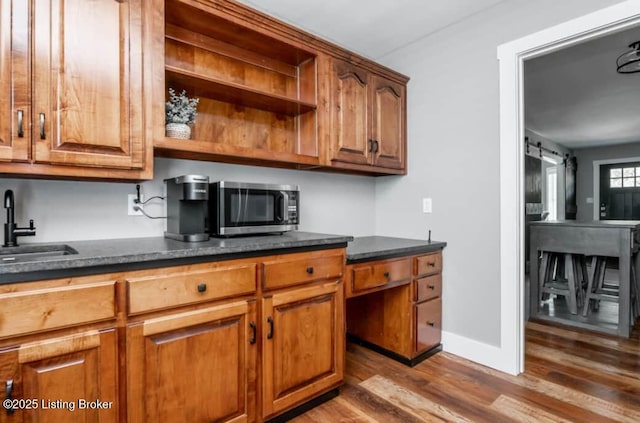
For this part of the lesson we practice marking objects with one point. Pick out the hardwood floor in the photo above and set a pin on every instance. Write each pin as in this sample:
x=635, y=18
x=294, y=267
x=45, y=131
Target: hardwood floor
x=571, y=375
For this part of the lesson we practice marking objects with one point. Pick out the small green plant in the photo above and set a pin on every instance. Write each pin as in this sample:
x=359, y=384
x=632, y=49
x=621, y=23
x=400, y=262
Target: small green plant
x=180, y=108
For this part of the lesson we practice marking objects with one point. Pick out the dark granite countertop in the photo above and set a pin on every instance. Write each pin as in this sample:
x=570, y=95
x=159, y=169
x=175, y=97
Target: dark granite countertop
x=380, y=247
x=589, y=223
x=103, y=256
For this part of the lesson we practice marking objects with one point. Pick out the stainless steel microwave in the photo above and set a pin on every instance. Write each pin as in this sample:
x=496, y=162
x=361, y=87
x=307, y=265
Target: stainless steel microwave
x=237, y=208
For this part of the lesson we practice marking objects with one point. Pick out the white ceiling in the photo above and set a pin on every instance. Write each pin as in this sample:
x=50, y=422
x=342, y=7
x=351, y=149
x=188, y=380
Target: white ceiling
x=576, y=98
x=372, y=28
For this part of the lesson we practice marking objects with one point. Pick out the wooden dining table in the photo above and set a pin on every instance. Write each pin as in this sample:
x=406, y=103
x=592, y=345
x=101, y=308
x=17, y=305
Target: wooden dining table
x=609, y=238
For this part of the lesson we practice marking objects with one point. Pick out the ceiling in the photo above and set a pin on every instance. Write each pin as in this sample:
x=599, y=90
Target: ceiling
x=372, y=28
x=576, y=98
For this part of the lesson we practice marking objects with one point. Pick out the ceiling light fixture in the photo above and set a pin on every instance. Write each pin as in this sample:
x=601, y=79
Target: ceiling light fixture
x=629, y=62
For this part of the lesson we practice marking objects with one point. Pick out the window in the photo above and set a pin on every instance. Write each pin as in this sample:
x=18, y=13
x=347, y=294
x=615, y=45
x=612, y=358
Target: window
x=624, y=177
x=552, y=193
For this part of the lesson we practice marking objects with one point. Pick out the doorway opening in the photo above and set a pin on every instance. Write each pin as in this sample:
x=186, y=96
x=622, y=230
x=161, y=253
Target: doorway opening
x=512, y=129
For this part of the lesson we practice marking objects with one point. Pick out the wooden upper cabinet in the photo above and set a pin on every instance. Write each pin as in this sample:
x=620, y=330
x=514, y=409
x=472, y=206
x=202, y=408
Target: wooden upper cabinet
x=72, y=89
x=368, y=121
x=15, y=144
x=87, y=102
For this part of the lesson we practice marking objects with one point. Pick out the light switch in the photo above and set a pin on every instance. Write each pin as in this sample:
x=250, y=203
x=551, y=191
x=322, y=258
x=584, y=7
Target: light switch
x=589, y=200
x=426, y=205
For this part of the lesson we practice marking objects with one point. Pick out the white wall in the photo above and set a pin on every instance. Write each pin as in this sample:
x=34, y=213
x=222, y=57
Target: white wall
x=453, y=130
x=71, y=210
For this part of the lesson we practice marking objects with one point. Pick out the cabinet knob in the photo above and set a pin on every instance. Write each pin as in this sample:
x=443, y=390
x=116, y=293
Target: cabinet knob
x=432, y=324
x=386, y=275
x=202, y=287
x=432, y=264
x=310, y=270
x=431, y=287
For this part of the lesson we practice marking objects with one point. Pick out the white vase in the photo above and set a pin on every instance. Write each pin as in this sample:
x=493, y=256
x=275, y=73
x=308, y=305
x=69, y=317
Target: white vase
x=178, y=130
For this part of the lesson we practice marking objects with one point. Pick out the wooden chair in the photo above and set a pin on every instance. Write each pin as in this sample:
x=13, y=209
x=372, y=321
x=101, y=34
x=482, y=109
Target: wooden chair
x=569, y=283
x=599, y=290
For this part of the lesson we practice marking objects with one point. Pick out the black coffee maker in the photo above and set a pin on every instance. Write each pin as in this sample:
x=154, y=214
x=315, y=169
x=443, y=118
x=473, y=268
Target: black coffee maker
x=187, y=208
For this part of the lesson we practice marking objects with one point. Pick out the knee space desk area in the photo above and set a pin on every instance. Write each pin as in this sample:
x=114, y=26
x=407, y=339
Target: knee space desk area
x=393, y=288
x=586, y=244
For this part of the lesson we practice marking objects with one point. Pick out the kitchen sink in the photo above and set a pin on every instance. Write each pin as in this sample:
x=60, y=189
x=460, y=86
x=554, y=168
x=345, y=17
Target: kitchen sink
x=26, y=253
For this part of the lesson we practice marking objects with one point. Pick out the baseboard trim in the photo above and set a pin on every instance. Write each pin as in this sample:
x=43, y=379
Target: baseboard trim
x=479, y=352
x=304, y=407
x=393, y=355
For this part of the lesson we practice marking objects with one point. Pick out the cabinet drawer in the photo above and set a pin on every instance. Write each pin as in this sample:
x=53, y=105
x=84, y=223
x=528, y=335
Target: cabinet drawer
x=428, y=324
x=155, y=292
x=428, y=287
x=56, y=307
x=380, y=273
x=428, y=264
x=302, y=269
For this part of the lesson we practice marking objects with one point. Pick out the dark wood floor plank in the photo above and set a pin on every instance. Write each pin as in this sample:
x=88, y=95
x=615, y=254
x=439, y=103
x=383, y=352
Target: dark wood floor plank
x=565, y=358
x=601, y=354
x=581, y=378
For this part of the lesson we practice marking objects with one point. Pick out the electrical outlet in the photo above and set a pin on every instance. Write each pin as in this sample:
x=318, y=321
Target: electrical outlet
x=426, y=205
x=130, y=203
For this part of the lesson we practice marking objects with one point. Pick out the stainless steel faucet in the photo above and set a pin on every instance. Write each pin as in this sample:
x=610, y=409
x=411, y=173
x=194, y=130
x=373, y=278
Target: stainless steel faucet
x=11, y=230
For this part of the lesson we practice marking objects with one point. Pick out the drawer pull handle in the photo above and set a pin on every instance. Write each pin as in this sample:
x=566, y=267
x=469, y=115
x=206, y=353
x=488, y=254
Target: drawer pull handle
x=431, y=287
x=386, y=275
x=20, y=124
x=432, y=324
x=270, y=321
x=254, y=329
x=310, y=270
x=9, y=395
x=202, y=287
x=43, y=135
x=432, y=264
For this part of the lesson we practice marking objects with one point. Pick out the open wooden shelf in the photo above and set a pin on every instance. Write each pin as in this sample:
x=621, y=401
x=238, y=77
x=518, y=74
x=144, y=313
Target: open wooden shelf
x=203, y=86
x=208, y=20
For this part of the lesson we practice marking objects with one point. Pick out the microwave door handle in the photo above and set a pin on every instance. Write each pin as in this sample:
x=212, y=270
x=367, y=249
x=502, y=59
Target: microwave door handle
x=285, y=207
x=282, y=211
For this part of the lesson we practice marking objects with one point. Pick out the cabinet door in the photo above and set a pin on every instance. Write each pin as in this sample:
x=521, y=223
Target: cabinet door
x=351, y=115
x=196, y=366
x=14, y=81
x=66, y=376
x=388, y=118
x=87, y=99
x=303, y=345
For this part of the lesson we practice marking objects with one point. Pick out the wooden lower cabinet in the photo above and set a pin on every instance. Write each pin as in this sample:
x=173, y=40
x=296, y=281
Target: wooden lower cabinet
x=194, y=366
x=227, y=341
x=401, y=317
x=303, y=345
x=69, y=378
